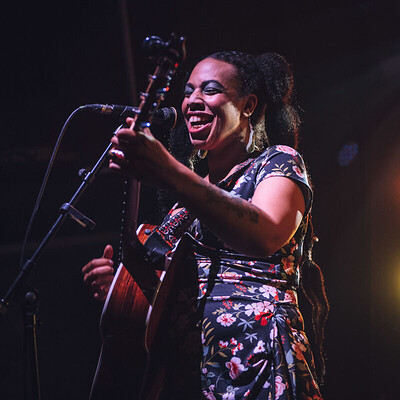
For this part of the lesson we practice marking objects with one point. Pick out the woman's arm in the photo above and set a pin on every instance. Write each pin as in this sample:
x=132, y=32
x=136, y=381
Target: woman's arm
x=258, y=228
x=255, y=229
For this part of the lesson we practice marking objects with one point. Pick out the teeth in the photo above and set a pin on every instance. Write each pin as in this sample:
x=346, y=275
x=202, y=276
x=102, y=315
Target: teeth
x=195, y=119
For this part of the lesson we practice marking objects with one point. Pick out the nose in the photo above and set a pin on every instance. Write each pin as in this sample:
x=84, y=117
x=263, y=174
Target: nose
x=194, y=102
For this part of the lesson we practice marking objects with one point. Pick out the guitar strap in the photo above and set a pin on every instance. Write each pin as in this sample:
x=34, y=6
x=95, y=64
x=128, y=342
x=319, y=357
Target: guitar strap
x=164, y=237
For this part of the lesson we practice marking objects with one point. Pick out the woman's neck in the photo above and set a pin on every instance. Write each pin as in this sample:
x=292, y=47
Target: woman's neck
x=220, y=164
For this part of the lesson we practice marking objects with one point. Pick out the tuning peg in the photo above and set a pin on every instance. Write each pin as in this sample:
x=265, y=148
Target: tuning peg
x=153, y=45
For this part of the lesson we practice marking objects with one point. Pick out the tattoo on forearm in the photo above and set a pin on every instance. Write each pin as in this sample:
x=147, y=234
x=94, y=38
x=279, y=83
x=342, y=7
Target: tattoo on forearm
x=232, y=204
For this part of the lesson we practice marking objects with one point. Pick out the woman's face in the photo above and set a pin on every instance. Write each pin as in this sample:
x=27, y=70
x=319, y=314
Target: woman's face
x=212, y=107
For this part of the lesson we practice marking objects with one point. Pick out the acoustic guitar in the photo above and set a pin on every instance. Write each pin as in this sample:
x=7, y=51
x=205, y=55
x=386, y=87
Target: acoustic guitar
x=138, y=319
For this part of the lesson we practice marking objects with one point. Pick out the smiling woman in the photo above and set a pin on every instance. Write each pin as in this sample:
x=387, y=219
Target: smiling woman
x=250, y=220
x=215, y=113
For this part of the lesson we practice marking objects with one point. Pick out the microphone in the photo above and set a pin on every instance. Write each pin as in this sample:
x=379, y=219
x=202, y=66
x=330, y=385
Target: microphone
x=165, y=117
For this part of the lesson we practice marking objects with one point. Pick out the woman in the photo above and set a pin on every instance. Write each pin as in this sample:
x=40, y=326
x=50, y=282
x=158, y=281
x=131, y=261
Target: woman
x=253, y=208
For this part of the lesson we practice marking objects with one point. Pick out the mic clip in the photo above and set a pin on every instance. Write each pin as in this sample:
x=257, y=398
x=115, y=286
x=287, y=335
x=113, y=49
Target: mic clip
x=77, y=216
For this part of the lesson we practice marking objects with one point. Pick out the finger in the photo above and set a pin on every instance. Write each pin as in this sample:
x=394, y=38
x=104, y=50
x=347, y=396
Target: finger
x=102, y=281
x=97, y=262
x=117, y=154
x=100, y=296
x=100, y=292
x=124, y=135
x=97, y=272
x=129, y=121
x=128, y=136
x=108, y=252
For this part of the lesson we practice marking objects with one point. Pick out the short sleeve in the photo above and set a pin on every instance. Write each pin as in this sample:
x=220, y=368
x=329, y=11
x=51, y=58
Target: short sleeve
x=286, y=162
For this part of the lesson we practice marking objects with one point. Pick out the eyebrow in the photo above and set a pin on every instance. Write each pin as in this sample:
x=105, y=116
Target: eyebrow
x=205, y=83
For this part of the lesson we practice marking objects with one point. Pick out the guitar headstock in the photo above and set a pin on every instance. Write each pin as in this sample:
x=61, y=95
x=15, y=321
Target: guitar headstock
x=167, y=55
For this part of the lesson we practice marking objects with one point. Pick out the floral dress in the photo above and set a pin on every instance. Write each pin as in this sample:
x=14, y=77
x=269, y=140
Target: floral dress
x=253, y=340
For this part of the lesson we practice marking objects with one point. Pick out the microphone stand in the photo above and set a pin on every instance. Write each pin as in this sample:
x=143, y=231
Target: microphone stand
x=28, y=297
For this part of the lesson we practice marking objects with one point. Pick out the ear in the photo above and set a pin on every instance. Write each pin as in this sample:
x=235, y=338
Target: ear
x=250, y=105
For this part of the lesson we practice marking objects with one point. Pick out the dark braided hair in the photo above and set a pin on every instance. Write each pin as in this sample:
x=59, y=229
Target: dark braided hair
x=276, y=121
x=312, y=283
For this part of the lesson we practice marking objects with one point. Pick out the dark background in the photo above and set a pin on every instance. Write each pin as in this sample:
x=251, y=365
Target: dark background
x=59, y=56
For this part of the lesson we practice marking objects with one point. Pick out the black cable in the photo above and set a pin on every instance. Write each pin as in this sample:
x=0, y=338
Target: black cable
x=44, y=183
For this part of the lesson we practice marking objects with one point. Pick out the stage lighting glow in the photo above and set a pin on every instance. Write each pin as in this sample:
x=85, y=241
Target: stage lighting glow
x=347, y=153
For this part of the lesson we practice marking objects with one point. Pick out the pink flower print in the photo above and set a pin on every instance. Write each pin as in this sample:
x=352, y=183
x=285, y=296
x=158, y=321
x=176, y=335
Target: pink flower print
x=260, y=347
x=235, y=367
x=208, y=395
x=279, y=387
x=230, y=395
x=226, y=319
x=287, y=150
x=298, y=171
x=223, y=344
x=251, y=308
x=268, y=291
x=264, y=312
x=237, y=348
x=264, y=307
x=233, y=341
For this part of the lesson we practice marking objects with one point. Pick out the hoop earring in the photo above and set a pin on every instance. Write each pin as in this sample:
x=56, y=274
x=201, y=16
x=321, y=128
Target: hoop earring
x=251, y=144
x=202, y=154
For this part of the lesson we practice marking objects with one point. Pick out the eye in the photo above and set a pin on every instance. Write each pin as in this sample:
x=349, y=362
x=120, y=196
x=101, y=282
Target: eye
x=212, y=89
x=188, y=91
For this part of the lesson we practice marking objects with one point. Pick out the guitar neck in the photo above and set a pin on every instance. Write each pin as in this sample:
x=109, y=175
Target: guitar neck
x=132, y=208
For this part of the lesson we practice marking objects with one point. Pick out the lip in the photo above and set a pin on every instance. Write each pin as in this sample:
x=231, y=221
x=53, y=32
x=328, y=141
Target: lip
x=199, y=124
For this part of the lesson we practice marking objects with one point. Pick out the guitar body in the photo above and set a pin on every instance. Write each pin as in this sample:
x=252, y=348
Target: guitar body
x=123, y=358
x=151, y=346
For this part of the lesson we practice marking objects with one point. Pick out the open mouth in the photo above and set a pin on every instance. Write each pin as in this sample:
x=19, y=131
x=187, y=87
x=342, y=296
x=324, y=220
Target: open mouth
x=197, y=122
